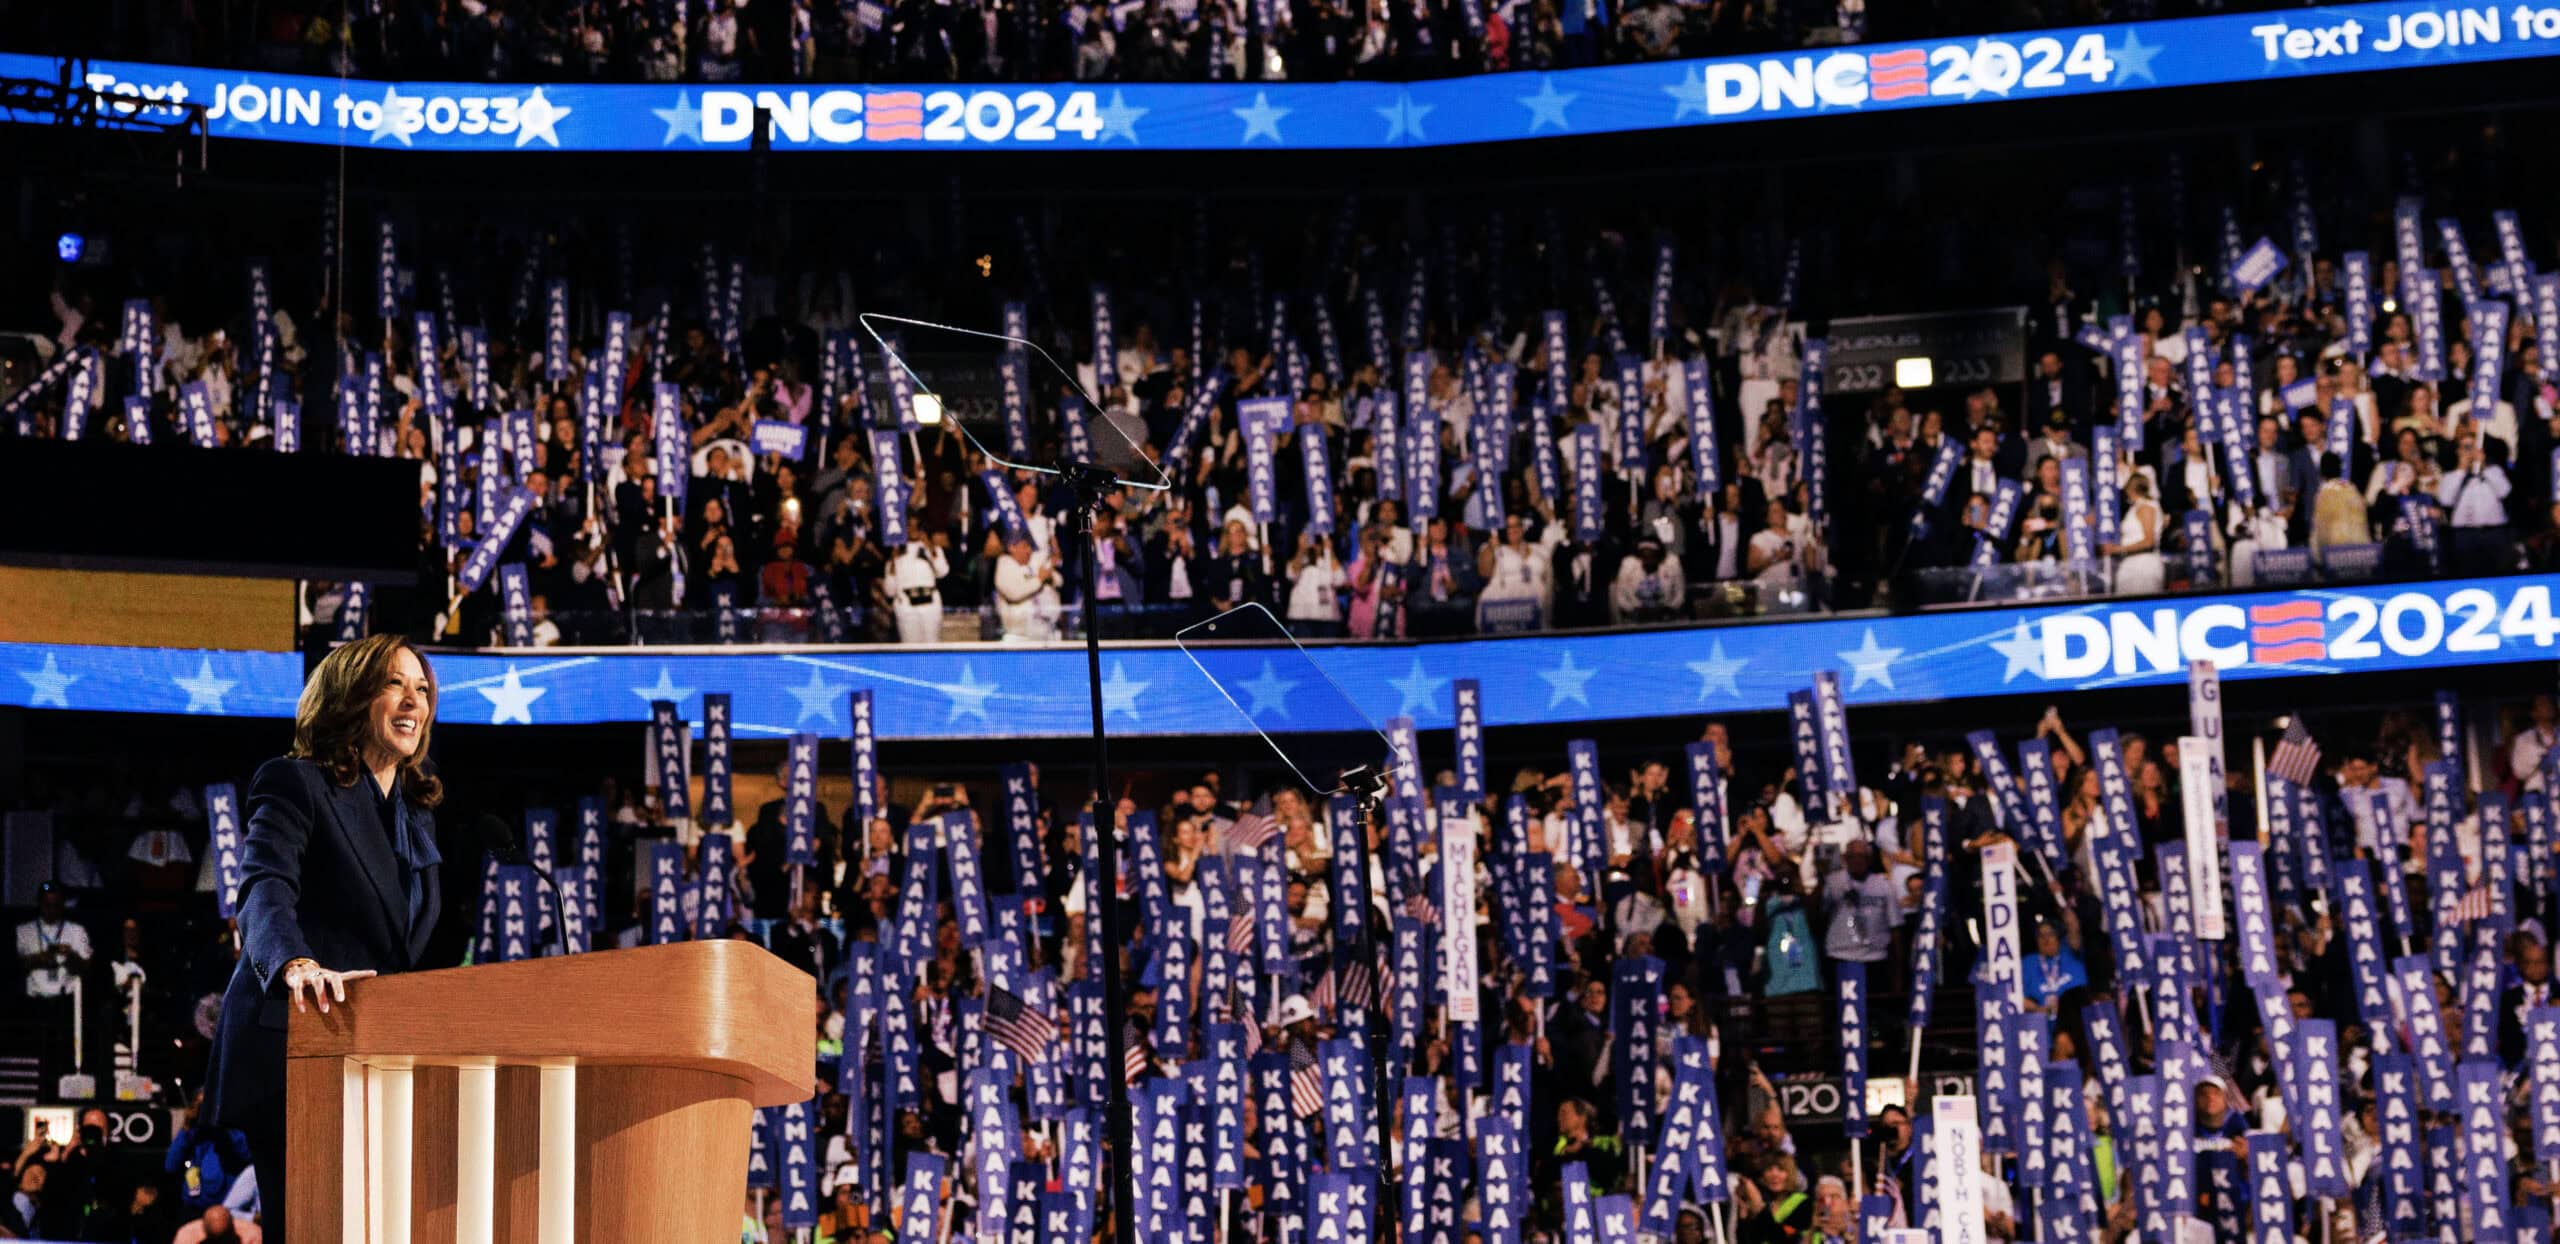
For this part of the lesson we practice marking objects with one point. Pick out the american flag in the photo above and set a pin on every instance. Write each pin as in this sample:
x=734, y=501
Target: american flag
x=1355, y=985
x=1135, y=1058
x=2297, y=755
x=1421, y=908
x=2370, y=1224
x=1359, y=986
x=1306, y=1082
x=2474, y=905
x=1254, y=828
x=1021, y=1028
x=1239, y=932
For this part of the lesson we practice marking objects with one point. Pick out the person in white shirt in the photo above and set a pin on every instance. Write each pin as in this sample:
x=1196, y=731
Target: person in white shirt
x=546, y=631
x=54, y=951
x=2139, y=569
x=1389, y=513
x=1649, y=587
x=2499, y=421
x=1139, y=358
x=915, y=587
x=1512, y=566
x=2360, y=785
x=1026, y=593
x=1315, y=587
x=2533, y=743
x=53, y=948
x=1794, y=834
x=127, y=967
x=2475, y=501
x=1775, y=551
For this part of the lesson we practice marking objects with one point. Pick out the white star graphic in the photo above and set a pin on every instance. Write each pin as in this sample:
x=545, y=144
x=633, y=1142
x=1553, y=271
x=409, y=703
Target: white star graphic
x=2132, y=57
x=231, y=119
x=683, y=121
x=534, y=118
x=1547, y=106
x=1690, y=93
x=1565, y=682
x=511, y=700
x=968, y=696
x=1717, y=672
x=1405, y=116
x=1869, y=663
x=1120, y=119
x=49, y=683
x=1120, y=692
x=1976, y=79
x=387, y=123
x=665, y=690
x=1420, y=690
x=204, y=691
x=817, y=699
x=1268, y=691
x=2024, y=651
x=1262, y=118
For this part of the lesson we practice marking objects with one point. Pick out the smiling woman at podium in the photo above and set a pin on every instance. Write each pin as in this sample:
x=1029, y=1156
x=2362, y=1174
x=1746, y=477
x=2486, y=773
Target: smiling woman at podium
x=339, y=881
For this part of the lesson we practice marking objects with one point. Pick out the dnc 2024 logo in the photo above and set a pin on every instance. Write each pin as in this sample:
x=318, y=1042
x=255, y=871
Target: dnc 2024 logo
x=2303, y=628
x=884, y=116
x=1849, y=79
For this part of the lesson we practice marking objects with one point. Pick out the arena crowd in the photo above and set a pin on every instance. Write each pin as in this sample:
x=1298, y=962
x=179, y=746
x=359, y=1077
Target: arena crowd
x=2388, y=934
x=1466, y=428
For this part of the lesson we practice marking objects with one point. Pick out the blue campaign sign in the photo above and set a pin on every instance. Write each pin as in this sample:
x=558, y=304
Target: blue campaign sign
x=775, y=436
x=2084, y=60
x=1016, y=691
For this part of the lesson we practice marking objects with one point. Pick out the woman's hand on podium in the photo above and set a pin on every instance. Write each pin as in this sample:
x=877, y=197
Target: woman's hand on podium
x=323, y=984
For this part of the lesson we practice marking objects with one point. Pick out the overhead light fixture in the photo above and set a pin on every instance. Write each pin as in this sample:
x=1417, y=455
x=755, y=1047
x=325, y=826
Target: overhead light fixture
x=928, y=409
x=1913, y=373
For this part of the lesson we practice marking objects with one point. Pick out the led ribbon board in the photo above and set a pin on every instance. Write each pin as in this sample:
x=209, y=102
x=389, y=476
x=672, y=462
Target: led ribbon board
x=1011, y=691
x=2085, y=60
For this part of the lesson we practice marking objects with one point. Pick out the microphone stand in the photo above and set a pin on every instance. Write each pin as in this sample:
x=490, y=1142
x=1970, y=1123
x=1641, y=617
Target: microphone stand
x=1090, y=484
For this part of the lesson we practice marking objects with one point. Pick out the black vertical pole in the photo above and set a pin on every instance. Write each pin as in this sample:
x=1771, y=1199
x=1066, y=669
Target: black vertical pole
x=1386, y=1085
x=1104, y=896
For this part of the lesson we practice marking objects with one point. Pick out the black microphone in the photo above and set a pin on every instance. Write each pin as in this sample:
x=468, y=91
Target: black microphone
x=500, y=838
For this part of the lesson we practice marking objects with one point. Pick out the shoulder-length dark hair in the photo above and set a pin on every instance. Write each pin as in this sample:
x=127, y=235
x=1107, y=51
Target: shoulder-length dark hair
x=334, y=720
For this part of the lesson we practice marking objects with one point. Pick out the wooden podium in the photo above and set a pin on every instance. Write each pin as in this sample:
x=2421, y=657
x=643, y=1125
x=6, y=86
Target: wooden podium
x=598, y=1097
